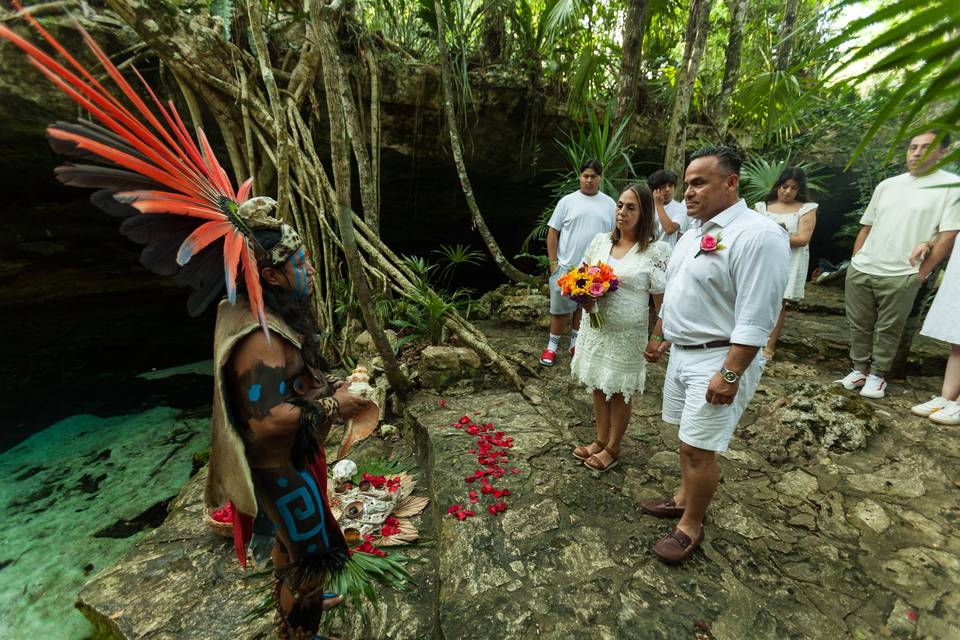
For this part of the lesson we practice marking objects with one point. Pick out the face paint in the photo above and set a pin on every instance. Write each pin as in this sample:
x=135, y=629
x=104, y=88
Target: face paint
x=298, y=262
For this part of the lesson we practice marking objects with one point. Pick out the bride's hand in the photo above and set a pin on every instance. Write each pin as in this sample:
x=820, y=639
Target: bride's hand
x=588, y=306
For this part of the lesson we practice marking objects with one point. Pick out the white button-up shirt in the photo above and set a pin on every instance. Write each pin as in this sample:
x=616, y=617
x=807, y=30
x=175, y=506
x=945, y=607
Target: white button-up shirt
x=733, y=293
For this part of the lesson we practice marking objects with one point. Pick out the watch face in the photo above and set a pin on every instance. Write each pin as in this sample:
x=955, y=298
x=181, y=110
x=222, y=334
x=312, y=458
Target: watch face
x=730, y=376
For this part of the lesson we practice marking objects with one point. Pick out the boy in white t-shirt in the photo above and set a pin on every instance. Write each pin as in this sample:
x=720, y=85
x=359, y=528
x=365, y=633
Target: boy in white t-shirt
x=671, y=218
x=881, y=283
x=577, y=218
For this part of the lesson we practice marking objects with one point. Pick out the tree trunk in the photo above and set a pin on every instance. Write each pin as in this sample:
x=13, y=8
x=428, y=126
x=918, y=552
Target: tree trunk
x=698, y=25
x=785, y=36
x=634, y=28
x=337, y=85
x=457, y=149
x=494, y=30
x=264, y=115
x=340, y=106
x=731, y=68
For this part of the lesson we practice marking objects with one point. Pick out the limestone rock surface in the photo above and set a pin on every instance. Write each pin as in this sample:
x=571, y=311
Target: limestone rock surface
x=441, y=366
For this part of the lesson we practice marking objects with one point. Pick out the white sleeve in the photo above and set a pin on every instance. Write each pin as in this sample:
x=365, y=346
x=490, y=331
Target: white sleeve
x=870, y=213
x=760, y=267
x=559, y=215
x=590, y=255
x=660, y=254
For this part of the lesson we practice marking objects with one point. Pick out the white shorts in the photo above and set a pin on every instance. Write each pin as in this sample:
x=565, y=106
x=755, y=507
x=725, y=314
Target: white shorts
x=704, y=425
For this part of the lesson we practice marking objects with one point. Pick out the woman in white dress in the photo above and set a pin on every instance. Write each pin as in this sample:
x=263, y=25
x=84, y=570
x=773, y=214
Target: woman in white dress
x=941, y=324
x=788, y=204
x=609, y=361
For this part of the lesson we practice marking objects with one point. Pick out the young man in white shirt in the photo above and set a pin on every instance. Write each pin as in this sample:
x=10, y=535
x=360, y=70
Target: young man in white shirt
x=577, y=218
x=672, y=218
x=881, y=283
x=725, y=284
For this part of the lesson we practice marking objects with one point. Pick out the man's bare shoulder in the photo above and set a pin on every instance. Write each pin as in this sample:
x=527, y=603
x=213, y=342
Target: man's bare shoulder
x=257, y=348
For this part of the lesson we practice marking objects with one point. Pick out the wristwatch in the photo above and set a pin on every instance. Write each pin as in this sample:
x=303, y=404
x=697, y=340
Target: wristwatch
x=730, y=377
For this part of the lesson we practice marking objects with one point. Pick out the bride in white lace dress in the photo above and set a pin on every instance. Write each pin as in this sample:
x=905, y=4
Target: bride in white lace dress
x=609, y=360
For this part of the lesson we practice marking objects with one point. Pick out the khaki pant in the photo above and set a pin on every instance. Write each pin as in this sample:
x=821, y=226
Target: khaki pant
x=877, y=310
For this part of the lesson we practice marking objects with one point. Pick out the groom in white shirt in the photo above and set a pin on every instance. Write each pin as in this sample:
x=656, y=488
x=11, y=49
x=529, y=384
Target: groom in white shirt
x=725, y=282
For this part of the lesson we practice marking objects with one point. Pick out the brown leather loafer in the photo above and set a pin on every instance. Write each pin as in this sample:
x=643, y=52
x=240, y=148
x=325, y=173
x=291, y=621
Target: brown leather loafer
x=676, y=546
x=663, y=508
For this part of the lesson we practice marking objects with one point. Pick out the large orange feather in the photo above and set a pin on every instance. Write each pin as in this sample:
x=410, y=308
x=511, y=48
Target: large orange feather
x=198, y=240
x=231, y=258
x=251, y=277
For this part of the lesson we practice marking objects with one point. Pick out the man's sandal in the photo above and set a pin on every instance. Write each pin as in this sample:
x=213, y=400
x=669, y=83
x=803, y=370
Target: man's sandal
x=584, y=451
x=596, y=463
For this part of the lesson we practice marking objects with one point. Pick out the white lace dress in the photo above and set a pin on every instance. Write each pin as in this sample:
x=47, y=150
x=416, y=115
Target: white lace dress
x=611, y=359
x=799, y=256
x=941, y=322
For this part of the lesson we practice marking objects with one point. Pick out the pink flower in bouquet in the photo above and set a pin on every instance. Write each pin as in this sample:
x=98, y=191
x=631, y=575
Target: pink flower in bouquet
x=593, y=270
x=597, y=289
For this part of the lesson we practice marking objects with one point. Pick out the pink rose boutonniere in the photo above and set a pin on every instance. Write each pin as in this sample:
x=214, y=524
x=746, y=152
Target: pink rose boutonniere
x=709, y=244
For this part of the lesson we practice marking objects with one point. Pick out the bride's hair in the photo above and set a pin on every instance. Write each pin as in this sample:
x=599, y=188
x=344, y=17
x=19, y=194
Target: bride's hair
x=646, y=226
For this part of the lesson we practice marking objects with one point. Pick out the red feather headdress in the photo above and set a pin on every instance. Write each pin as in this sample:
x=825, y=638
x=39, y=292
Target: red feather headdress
x=142, y=165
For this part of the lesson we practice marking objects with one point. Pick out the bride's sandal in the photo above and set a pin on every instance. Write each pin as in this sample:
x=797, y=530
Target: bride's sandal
x=584, y=451
x=597, y=463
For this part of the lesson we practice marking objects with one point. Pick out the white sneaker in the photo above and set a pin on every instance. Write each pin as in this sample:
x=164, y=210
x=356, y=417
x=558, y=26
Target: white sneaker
x=873, y=387
x=949, y=415
x=930, y=406
x=853, y=380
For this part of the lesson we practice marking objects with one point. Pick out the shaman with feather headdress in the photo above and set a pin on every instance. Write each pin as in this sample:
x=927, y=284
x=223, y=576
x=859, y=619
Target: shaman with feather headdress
x=272, y=406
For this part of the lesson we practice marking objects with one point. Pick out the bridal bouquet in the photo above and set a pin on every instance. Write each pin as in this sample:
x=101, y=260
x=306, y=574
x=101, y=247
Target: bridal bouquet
x=588, y=283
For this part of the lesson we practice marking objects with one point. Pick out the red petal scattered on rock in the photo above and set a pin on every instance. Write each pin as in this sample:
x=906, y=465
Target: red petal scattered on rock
x=442, y=403
x=912, y=615
x=454, y=508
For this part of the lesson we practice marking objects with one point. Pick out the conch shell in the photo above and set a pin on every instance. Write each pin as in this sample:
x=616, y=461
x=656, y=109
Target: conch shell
x=364, y=424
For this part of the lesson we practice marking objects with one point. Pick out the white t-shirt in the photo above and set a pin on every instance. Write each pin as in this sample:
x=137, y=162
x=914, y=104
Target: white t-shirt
x=579, y=218
x=677, y=212
x=903, y=212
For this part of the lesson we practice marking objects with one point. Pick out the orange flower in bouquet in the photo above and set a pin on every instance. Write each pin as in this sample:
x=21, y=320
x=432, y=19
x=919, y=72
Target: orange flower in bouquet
x=588, y=283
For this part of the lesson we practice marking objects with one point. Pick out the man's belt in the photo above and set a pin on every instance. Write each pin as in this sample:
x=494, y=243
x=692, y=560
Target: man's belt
x=716, y=344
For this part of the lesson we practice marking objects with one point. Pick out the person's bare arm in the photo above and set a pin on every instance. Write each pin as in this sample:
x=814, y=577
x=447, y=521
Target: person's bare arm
x=738, y=359
x=264, y=402
x=553, y=239
x=657, y=345
x=940, y=251
x=861, y=238
x=808, y=222
x=669, y=226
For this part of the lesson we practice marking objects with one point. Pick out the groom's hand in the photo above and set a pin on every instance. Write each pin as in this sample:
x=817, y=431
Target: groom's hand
x=655, y=350
x=720, y=391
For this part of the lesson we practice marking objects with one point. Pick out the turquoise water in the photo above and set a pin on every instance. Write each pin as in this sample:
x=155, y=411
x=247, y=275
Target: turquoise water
x=78, y=494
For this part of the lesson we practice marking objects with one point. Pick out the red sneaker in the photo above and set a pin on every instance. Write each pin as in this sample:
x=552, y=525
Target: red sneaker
x=547, y=357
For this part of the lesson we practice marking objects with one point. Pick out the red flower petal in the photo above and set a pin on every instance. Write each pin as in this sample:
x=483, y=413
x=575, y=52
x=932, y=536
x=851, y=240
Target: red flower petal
x=464, y=420
x=454, y=508
x=912, y=615
x=442, y=403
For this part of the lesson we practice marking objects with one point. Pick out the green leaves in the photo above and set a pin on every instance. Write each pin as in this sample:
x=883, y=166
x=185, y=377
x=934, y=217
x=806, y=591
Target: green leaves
x=599, y=138
x=758, y=175
x=919, y=43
